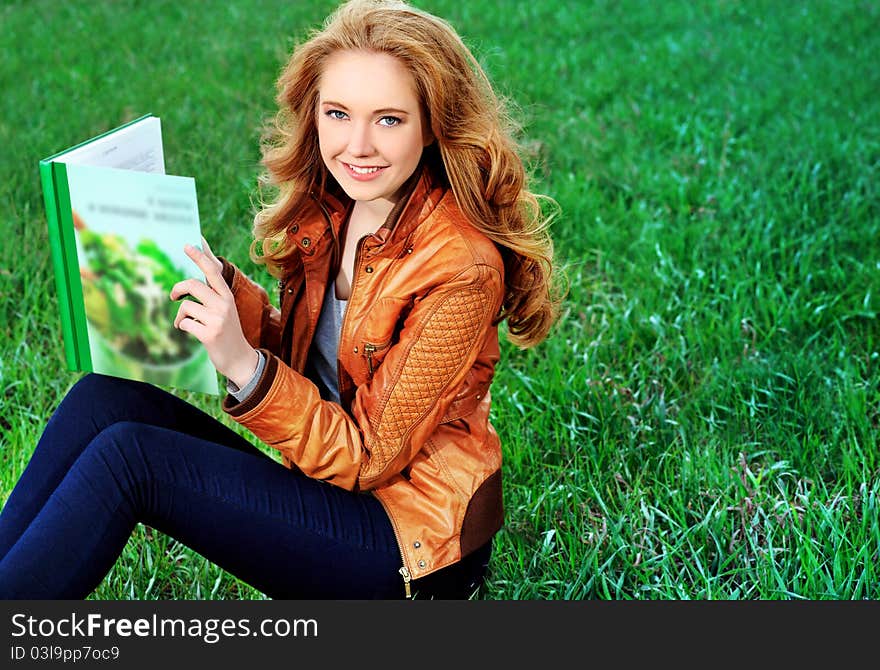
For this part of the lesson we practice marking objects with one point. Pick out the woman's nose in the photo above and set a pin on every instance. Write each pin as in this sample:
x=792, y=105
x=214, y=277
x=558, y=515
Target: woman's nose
x=359, y=142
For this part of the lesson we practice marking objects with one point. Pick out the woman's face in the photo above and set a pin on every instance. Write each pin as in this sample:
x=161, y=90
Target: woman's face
x=371, y=129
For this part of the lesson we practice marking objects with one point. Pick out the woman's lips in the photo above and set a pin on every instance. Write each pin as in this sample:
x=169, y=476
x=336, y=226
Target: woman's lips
x=363, y=173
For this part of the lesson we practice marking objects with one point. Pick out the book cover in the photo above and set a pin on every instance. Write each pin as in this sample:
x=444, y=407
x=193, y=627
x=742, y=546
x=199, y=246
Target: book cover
x=117, y=227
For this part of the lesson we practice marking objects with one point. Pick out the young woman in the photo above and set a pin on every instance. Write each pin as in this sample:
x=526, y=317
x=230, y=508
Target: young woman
x=402, y=234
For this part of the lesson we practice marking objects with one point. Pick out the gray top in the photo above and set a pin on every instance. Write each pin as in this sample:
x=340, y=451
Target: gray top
x=243, y=392
x=321, y=363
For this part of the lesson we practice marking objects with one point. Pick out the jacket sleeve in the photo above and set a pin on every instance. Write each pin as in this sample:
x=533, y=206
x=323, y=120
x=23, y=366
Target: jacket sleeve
x=394, y=414
x=260, y=320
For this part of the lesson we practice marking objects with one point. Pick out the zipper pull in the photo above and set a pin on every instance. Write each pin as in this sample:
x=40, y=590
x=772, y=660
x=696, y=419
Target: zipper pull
x=405, y=573
x=368, y=350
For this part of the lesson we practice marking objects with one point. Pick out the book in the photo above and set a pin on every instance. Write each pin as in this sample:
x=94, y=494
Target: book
x=117, y=226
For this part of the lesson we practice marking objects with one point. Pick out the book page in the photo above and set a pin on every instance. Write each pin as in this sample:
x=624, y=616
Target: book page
x=134, y=147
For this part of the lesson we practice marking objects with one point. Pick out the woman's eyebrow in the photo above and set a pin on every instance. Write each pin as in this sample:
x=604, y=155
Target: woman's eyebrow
x=390, y=110
x=384, y=110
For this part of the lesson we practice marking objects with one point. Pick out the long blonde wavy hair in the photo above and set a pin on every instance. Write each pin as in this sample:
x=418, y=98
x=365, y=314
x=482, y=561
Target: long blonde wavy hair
x=474, y=150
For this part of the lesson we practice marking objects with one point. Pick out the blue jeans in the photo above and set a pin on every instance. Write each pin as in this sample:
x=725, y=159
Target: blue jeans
x=118, y=452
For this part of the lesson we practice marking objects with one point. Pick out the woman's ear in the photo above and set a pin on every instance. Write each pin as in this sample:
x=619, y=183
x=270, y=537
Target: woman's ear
x=427, y=135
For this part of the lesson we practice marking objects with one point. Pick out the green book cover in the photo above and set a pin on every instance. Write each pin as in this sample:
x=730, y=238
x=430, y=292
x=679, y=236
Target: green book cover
x=117, y=228
x=58, y=263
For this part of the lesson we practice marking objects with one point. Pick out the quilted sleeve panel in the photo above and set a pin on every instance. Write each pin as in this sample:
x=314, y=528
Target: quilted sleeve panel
x=418, y=379
x=432, y=362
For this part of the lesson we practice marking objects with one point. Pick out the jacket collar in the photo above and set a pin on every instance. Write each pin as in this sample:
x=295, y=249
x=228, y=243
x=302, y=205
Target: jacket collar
x=420, y=195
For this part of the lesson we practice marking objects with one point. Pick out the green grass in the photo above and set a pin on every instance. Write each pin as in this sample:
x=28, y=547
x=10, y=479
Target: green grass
x=702, y=424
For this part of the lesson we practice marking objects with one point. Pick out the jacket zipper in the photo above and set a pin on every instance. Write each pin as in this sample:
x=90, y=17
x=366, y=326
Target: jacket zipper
x=406, y=578
x=357, y=257
x=369, y=350
x=404, y=571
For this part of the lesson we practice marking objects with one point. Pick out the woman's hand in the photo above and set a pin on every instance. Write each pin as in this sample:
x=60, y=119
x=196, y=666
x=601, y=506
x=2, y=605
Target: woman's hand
x=213, y=320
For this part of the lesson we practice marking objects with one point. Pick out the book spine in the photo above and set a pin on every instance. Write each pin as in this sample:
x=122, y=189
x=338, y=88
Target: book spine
x=59, y=265
x=74, y=281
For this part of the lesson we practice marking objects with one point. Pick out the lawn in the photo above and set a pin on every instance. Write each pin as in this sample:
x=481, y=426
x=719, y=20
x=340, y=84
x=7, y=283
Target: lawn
x=702, y=423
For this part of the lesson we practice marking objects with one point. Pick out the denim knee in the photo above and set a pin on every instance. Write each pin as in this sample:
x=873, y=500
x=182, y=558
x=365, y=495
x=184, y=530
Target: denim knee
x=94, y=386
x=119, y=450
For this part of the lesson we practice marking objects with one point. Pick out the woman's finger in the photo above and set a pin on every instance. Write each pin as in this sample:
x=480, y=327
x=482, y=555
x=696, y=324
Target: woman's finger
x=210, y=254
x=207, y=249
x=197, y=289
x=211, y=268
x=196, y=328
x=193, y=311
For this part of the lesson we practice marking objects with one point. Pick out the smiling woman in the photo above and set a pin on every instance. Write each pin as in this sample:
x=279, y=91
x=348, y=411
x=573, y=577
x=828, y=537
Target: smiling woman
x=403, y=233
x=371, y=130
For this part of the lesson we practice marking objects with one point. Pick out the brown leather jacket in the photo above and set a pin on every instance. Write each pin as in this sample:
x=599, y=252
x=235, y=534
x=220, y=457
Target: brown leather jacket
x=417, y=353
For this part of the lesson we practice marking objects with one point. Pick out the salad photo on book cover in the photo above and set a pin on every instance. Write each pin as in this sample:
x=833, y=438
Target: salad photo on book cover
x=130, y=230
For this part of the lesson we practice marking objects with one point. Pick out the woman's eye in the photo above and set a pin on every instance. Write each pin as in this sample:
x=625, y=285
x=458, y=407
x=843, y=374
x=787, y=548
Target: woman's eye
x=389, y=121
x=335, y=114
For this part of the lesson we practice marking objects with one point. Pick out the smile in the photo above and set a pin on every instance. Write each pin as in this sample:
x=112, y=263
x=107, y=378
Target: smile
x=361, y=170
x=363, y=173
